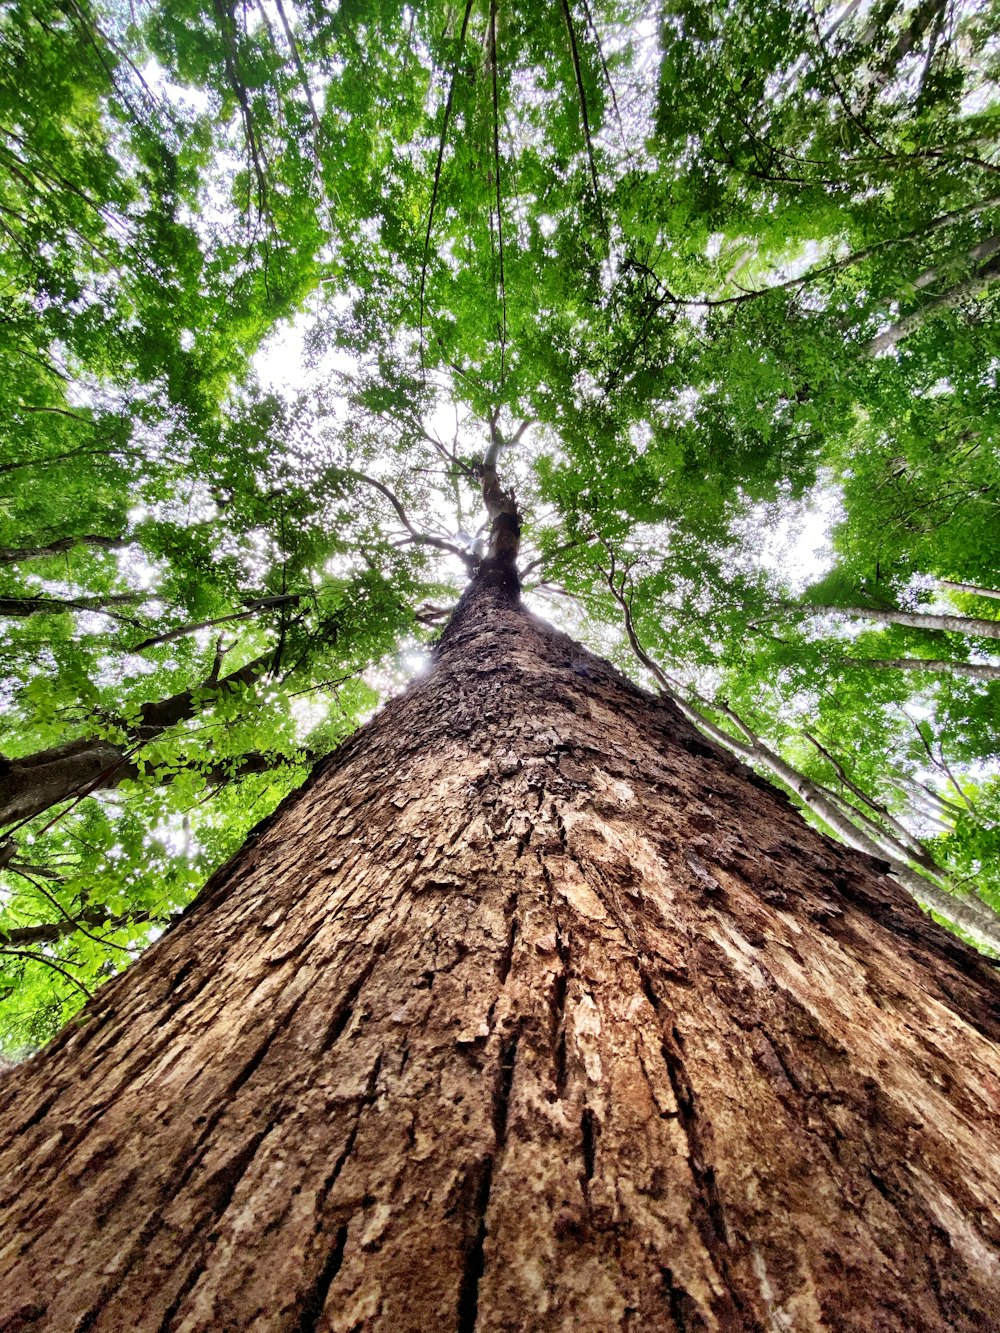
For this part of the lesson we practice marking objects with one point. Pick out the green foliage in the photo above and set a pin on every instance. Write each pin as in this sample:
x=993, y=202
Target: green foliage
x=711, y=277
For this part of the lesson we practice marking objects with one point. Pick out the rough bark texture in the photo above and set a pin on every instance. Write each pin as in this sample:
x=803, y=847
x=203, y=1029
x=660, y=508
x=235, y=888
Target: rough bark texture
x=532, y=1011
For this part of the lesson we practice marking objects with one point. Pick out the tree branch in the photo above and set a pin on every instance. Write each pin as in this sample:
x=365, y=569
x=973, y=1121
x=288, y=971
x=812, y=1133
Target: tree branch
x=437, y=168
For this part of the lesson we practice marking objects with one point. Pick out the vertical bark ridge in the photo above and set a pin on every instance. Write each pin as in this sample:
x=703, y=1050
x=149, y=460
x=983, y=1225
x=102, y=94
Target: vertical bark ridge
x=531, y=1010
x=468, y=1297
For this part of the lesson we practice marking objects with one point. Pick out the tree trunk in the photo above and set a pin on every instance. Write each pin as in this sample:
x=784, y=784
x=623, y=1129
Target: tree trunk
x=22, y=607
x=951, y=586
x=983, y=629
x=962, y=291
x=935, y=665
x=532, y=1011
x=33, y=784
x=27, y=790
x=10, y=555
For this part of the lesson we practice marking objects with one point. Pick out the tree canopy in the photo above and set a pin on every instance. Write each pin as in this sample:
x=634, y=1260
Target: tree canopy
x=715, y=287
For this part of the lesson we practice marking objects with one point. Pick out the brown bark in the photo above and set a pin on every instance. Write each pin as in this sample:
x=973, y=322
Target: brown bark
x=19, y=608
x=532, y=1011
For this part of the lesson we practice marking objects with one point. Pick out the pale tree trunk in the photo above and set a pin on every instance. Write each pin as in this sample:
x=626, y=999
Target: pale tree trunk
x=970, y=914
x=984, y=250
x=935, y=665
x=532, y=1011
x=983, y=629
x=976, y=918
x=962, y=291
x=951, y=586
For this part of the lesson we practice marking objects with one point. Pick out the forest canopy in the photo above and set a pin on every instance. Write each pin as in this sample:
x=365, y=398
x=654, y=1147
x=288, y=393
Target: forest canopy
x=714, y=286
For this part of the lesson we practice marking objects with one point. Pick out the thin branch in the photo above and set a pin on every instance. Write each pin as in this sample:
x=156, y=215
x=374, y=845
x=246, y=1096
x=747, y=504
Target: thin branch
x=259, y=604
x=607, y=75
x=551, y=555
x=938, y=761
x=496, y=160
x=584, y=117
x=41, y=958
x=299, y=65
x=415, y=535
x=62, y=910
x=437, y=169
x=899, y=829
x=225, y=13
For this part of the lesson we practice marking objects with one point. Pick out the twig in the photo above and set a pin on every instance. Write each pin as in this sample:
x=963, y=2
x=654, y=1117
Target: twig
x=41, y=958
x=62, y=910
x=584, y=117
x=437, y=171
x=496, y=159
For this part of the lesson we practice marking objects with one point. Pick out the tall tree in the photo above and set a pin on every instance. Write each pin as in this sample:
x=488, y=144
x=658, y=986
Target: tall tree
x=532, y=1009
x=684, y=278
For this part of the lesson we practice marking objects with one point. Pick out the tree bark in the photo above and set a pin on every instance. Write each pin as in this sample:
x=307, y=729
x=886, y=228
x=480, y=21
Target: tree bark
x=19, y=608
x=10, y=555
x=935, y=665
x=94, y=918
x=962, y=291
x=951, y=586
x=35, y=783
x=975, y=917
x=983, y=629
x=26, y=792
x=532, y=1010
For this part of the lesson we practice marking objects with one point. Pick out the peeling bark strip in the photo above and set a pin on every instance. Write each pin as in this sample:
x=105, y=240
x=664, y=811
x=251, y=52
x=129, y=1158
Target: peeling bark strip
x=532, y=1011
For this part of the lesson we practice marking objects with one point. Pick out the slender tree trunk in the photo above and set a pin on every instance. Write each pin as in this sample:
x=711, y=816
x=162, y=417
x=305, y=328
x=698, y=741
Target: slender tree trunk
x=532, y=1011
x=964, y=910
x=19, y=608
x=962, y=291
x=984, y=250
x=984, y=629
x=935, y=665
x=951, y=586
